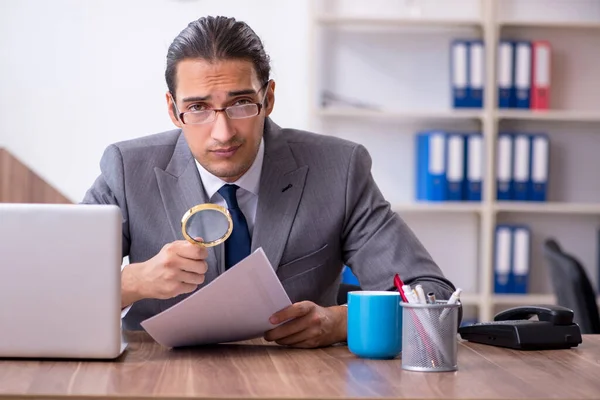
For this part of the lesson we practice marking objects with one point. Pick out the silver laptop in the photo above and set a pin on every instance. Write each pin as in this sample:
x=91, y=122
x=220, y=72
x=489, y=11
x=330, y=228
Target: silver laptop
x=60, y=282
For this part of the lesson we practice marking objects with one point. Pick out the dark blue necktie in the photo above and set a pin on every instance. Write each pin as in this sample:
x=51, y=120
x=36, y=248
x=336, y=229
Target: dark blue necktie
x=237, y=246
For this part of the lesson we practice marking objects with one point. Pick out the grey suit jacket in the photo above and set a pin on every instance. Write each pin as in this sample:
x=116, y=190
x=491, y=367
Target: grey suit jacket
x=331, y=214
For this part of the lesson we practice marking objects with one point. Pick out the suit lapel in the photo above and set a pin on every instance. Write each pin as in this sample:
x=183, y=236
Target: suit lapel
x=281, y=186
x=181, y=188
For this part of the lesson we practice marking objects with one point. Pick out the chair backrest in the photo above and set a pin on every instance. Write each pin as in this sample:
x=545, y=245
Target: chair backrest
x=572, y=287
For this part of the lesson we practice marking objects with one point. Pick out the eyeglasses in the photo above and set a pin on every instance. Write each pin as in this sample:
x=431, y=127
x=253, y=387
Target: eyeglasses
x=233, y=112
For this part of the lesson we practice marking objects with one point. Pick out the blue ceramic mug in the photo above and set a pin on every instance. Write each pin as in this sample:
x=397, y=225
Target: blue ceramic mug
x=374, y=324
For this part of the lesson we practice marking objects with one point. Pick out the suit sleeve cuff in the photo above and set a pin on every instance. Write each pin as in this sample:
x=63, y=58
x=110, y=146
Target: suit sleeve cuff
x=125, y=311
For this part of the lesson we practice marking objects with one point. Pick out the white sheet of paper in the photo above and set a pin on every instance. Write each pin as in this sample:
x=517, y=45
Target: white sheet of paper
x=235, y=306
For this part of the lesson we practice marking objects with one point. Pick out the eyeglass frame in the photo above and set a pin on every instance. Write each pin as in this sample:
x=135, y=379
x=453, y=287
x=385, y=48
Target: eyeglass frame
x=260, y=106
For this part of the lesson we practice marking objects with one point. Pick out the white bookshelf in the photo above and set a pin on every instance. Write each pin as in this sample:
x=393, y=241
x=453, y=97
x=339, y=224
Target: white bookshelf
x=470, y=299
x=550, y=24
x=391, y=115
x=515, y=300
x=547, y=208
x=549, y=116
x=363, y=51
x=402, y=22
x=445, y=207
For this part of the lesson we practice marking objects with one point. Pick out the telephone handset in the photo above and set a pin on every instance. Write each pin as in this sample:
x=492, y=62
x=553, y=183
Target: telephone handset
x=515, y=328
x=557, y=315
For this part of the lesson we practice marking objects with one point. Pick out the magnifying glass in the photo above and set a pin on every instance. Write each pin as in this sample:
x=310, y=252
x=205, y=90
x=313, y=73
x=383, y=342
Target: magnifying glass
x=210, y=222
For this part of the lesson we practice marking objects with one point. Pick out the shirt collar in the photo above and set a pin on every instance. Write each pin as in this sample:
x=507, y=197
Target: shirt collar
x=249, y=181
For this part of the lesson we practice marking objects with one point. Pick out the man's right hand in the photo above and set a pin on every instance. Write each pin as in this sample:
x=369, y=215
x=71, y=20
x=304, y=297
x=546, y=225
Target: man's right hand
x=178, y=268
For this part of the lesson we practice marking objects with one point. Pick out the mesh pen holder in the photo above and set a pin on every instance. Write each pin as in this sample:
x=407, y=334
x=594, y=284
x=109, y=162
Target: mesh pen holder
x=429, y=342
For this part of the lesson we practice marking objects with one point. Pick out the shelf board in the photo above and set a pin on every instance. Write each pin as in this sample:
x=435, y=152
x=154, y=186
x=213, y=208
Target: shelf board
x=549, y=115
x=450, y=207
x=551, y=24
x=395, y=21
x=527, y=299
x=360, y=113
x=523, y=299
x=456, y=114
x=547, y=207
x=470, y=299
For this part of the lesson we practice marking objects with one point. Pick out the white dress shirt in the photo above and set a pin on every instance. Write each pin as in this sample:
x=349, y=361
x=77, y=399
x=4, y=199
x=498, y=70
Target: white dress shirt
x=247, y=194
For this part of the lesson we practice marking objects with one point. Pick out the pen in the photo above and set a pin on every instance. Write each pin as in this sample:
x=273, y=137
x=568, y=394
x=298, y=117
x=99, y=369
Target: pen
x=421, y=294
x=452, y=300
x=398, y=283
x=431, y=297
x=410, y=294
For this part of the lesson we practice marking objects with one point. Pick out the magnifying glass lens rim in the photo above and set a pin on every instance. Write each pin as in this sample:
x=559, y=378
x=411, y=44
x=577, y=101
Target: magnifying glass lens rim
x=201, y=207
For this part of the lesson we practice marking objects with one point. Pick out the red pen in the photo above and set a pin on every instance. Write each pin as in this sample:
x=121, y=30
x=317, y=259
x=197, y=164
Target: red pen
x=398, y=283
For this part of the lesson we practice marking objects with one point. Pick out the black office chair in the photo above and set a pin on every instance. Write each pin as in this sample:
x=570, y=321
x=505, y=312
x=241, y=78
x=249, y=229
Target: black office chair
x=342, y=297
x=572, y=287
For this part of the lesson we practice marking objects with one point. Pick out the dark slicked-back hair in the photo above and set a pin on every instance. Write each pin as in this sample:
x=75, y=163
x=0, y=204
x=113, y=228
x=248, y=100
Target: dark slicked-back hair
x=214, y=39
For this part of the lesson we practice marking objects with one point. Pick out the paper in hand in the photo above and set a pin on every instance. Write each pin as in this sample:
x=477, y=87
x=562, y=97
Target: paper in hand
x=235, y=306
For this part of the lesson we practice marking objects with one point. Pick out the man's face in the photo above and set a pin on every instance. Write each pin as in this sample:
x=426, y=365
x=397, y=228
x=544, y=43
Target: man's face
x=225, y=147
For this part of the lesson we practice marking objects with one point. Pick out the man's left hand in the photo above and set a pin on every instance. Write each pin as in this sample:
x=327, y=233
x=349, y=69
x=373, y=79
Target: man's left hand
x=308, y=325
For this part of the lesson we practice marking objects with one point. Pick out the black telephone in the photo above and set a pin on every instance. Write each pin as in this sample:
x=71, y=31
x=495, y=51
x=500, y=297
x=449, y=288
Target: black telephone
x=515, y=328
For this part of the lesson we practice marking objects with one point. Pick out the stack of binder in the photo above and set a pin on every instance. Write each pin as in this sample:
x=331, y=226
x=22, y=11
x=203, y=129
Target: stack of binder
x=449, y=166
x=523, y=76
x=522, y=166
x=468, y=73
x=512, y=259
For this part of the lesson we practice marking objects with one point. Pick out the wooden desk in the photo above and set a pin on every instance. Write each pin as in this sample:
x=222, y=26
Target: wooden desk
x=260, y=370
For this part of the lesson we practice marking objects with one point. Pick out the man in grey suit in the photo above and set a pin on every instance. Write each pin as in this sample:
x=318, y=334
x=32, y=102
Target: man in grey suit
x=308, y=200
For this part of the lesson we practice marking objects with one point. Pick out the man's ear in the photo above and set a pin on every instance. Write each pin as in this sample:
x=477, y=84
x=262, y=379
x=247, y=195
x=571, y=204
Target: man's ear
x=172, y=110
x=270, y=99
